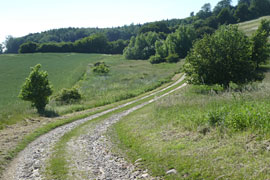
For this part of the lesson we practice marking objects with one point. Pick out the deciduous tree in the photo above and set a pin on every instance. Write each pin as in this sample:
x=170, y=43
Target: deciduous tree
x=37, y=89
x=260, y=45
x=222, y=58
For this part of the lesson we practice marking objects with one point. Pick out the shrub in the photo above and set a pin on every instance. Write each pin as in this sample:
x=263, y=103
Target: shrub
x=101, y=68
x=37, y=88
x=222, y=58
x=68, y=96
x=156, y=59
x=172, y=58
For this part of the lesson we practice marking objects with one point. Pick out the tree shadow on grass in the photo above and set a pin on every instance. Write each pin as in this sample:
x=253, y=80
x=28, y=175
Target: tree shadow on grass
x=264, y=68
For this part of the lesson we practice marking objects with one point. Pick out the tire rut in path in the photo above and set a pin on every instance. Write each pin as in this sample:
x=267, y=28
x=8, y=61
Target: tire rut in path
x=31, y=161
x=91, y=155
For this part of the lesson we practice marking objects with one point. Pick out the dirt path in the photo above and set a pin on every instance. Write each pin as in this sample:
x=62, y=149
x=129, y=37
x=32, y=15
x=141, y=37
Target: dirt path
x=92, y=157
x=30, y=162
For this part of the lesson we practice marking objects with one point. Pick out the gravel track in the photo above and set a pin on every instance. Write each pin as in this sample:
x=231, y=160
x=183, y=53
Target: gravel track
x=103, y=164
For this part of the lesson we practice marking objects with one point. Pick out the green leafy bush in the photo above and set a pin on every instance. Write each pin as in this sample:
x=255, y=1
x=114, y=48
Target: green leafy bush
x=68, y=96
x=101, y=68
x=156, y=59
x=222, y=58
x=37, y=89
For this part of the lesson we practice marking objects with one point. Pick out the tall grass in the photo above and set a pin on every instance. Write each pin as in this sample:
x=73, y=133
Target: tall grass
x=126, y=79
x=210, y=135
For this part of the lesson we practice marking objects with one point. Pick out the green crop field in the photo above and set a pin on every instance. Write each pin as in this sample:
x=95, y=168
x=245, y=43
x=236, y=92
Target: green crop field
x=125, y=79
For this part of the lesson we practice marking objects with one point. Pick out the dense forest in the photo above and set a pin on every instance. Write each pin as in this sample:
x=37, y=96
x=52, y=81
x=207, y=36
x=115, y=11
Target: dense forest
x=165, y=40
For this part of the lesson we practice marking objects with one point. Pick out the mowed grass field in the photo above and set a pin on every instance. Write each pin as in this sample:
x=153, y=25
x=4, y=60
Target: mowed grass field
x=125, y=79
x=249, y=27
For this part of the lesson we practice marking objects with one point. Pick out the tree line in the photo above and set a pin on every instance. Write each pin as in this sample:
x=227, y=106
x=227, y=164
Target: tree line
x=97, y=43
x=160, y=42
x=12, y=44
x=206, y=21
x=161, y=47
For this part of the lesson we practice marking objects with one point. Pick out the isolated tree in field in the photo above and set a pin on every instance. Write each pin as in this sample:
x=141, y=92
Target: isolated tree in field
x=260, y=45
x=221, y=58
x=37, y=88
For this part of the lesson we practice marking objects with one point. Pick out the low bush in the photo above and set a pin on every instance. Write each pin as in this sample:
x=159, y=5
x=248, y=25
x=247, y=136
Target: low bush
x=156, y=59
x=101, y=68
x=68, y=96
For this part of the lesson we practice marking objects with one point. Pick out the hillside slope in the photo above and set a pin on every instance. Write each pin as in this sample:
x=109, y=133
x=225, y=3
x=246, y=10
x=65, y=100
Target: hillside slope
x=202, y=132
x=249, y=27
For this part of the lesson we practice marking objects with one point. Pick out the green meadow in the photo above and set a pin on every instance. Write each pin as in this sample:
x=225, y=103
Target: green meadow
x=127, y=78
x=202, y=133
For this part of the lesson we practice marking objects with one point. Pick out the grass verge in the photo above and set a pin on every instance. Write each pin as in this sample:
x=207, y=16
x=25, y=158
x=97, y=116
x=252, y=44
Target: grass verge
x=58, y=165
x=201, y=136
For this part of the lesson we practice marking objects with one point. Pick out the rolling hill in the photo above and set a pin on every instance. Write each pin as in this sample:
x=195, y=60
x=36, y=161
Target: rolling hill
x=249, y=27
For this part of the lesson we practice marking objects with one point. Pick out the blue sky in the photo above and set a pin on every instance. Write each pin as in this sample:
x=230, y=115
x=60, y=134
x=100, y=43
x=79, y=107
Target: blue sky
x=21, y=17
